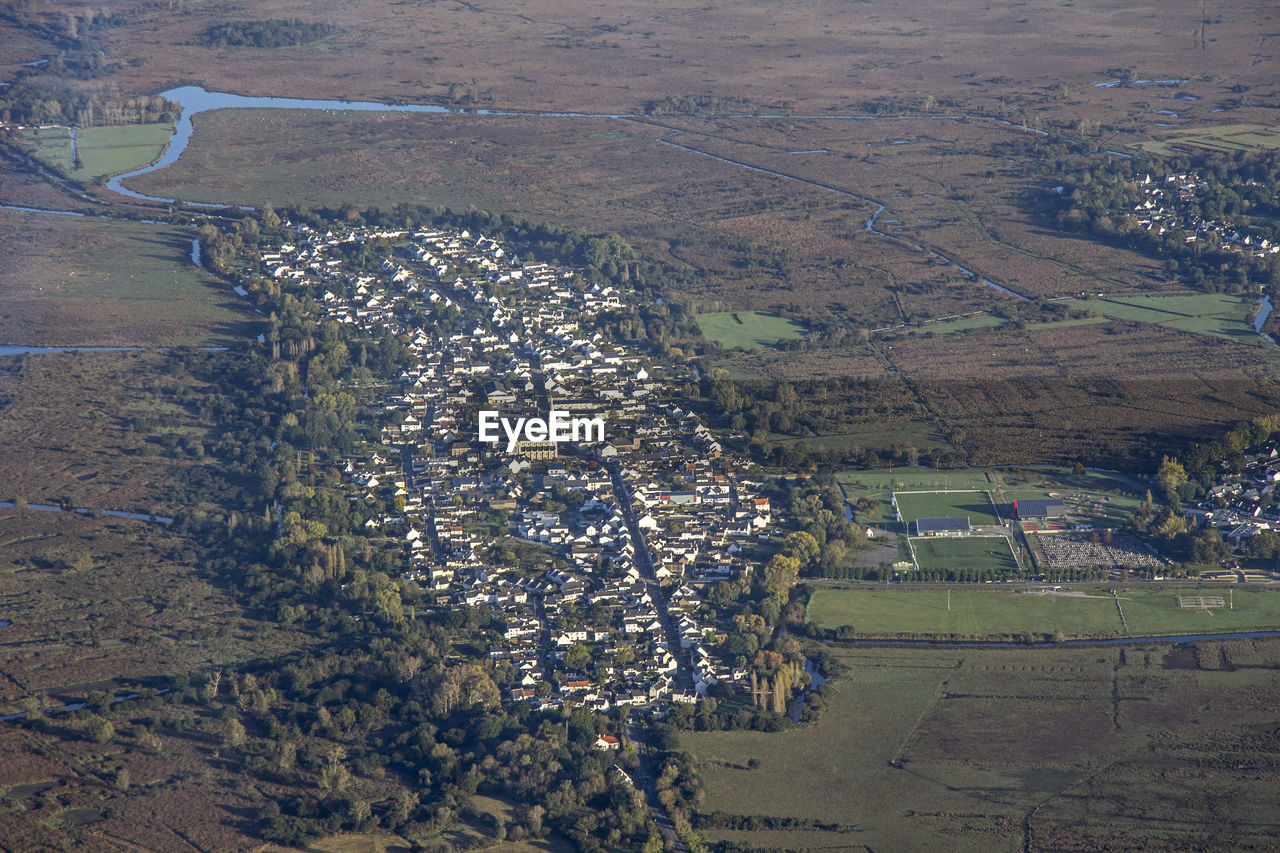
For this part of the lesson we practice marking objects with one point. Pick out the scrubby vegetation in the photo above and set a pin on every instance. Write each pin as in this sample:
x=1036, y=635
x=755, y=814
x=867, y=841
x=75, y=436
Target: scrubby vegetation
x=275, y=32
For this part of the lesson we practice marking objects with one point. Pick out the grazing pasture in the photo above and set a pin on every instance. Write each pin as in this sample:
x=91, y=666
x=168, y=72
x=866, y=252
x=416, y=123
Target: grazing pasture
x=97, y=151
x=1014, y=749
x=1230, y=137
x=986, y=612
x=748, y=329
x=84, y=281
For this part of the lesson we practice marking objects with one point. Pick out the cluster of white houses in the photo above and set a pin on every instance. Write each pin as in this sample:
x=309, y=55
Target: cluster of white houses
x=1242, y=504
x=590, y=555
x=1166, y=208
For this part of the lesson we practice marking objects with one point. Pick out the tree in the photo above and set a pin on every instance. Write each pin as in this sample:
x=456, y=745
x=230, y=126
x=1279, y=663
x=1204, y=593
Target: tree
x=1265, y=544
x=781, y=574
x=99, y=729
x=1169, y=477
x=235, y=733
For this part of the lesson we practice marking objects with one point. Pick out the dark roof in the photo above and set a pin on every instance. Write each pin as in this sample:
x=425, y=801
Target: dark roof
x=936, y=525
x=1039, y=508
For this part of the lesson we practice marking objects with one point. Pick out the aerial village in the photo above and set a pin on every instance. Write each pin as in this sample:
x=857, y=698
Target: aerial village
x=615, y=539
x=1171, y=203
x=1242, y=504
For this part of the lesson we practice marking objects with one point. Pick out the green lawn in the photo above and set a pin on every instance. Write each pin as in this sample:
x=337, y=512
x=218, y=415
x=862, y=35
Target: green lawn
x=964, y=552
x=947, y=504
x=748, y=329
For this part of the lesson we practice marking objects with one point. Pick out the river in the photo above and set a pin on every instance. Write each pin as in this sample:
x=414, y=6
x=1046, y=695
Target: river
x=115, y=513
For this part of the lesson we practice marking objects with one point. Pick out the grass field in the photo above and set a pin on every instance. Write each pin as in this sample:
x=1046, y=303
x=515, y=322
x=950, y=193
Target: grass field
x=973, y=613
x=748, y=329
x=88, y=281
x=964, y=552
x=103, y=151
x=964, y=324
x=976, y=505
x=1231, y=137
x=1204, y=313
x=1010, y=749
x=996, y=612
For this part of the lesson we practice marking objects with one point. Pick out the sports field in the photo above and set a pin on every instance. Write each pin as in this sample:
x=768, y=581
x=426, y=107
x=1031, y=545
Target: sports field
x=964, y=552
x=748, y=329
x=973, y=503
x=999, y=612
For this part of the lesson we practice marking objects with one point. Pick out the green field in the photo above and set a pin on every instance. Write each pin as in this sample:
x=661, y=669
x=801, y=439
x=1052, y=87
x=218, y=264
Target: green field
x=748, y=329
x=1231, y=137
x=950, y=504
x=972, y=613
x=1000, y=612
x=964, y=552
x=103, y=151
x=964, y=324
x=1012, y=749
x=1218, y=315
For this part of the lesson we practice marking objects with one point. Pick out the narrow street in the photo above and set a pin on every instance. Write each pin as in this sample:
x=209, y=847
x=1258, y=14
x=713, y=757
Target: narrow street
x=646, y=776
x=645, y=561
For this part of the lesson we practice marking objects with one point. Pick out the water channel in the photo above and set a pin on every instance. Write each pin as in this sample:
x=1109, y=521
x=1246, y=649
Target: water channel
x=115, y=513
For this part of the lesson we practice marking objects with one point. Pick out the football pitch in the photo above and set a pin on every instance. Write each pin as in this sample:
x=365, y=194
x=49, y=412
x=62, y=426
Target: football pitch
x=976, y=504
x=964, y=552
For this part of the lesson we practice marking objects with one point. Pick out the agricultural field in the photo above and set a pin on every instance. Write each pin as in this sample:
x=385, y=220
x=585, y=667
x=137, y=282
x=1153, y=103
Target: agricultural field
x=1077, y=612
x=976, y=505
x=1231, y=137
x=84, y=281
x=748, y=329
x=1013, y=749
x=100, y=151
x=1204, y=313
x=965, y=552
